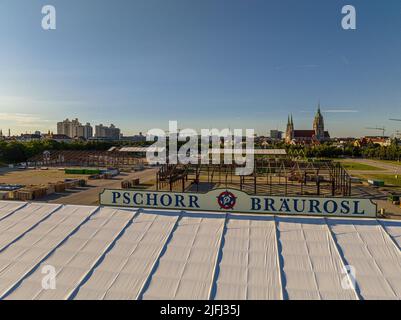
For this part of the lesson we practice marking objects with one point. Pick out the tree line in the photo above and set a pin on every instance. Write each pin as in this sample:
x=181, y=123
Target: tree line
x=329, y=150
x=15, y=151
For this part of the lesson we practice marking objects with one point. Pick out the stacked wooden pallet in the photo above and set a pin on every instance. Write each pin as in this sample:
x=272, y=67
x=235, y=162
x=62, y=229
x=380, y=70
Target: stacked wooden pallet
x=127, y=184
x=30, y=193
x=35, y=192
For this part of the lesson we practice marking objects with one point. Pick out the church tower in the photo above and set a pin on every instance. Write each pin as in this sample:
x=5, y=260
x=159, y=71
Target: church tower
x=318, y=125
x=289, y=133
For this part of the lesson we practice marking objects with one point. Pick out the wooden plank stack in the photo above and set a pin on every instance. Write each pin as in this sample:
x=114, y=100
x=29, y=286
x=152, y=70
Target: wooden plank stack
x=127, y=184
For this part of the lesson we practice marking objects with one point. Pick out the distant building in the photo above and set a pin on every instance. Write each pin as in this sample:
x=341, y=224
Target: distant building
x=107, y=133
x=85, y=131
x=68, y=128
x=58, y=137
x=136, y=138
x=74, y=129
x=318, y=134
x=276, y=134
x=27, y=137
x=382, y=141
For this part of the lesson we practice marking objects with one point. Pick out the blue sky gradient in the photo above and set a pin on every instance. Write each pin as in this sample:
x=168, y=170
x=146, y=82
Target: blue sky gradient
x=205, y=63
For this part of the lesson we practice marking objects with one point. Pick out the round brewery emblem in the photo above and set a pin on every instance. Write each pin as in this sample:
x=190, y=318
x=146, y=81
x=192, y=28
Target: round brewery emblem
x=226, y=200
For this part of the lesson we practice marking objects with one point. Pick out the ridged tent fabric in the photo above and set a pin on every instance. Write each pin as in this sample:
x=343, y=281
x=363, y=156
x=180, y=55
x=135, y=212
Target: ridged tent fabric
x=116, y=253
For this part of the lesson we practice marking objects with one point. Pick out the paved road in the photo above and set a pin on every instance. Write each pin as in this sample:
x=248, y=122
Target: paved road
x=90, y=196
x=386, y=168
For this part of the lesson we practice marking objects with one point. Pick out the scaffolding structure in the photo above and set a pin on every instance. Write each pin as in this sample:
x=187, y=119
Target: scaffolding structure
x=281, y=176
x=86, y=159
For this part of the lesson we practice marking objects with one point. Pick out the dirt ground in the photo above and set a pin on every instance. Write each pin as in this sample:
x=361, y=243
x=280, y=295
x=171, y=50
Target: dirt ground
x=88, y=195
x=36, y=176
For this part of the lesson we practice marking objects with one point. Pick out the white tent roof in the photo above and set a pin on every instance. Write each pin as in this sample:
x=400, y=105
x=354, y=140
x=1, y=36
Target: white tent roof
x=141, y=149
x=109, y=253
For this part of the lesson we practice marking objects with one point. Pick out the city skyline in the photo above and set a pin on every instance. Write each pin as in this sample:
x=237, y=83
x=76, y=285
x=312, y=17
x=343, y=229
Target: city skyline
x=139, y=64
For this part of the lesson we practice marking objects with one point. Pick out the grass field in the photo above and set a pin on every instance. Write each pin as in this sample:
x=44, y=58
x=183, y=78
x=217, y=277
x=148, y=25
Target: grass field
x=390, y=162
x=359, y=166
x=389, y=179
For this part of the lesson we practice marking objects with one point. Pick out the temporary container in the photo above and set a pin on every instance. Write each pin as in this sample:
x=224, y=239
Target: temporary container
x=91, y=171
x=74, y=171
x=393, y=197
x=376, y=183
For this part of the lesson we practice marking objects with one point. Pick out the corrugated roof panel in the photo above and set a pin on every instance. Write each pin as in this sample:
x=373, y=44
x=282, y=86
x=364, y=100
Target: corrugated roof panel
x=312, y=266
x=249, y=265
x=73, y=260
x=393, y=228
x=187, y=278
x=125, y=269
x=8, y=207
x=24, y=220
x=368, y=249
x=110, y=253
x=22, y=256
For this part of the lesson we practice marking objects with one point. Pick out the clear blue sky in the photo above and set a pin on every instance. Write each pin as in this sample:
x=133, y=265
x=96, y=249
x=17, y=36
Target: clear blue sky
x=205, y=63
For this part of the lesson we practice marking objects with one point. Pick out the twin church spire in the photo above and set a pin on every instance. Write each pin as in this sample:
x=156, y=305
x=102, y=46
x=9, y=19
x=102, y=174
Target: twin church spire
x=317, y=132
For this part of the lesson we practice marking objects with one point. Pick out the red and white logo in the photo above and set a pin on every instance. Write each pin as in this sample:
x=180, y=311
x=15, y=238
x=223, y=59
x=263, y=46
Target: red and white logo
x=226, y=200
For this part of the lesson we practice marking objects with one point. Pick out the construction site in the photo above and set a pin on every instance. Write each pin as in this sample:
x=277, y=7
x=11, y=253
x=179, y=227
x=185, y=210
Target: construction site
x=111, y=158
x=282, y=176
x=78, y=177
x=70, y=176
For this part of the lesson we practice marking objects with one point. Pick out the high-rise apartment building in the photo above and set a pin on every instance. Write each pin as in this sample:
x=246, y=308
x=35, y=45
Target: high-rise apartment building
x=110, y=133
x=74, y=129
x=85, y=131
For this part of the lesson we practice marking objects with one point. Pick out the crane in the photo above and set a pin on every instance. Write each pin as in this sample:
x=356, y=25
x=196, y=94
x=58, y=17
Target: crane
x=383, y=129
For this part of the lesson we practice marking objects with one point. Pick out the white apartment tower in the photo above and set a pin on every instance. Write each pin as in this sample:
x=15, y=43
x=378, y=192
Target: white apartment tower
x=74, y=129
